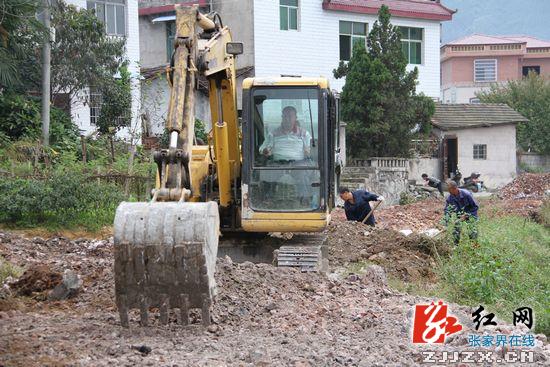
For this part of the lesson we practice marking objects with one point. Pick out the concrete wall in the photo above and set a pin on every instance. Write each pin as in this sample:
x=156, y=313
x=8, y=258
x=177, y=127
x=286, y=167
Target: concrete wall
x=81, y=111
x=534, y=161
x=155, y=99
x=460, y=94
x=543, y=62
x=238, y=15
x=418, y=166
x=500, y=166
x=152, y=42
x=461, y=69
x=313, y=50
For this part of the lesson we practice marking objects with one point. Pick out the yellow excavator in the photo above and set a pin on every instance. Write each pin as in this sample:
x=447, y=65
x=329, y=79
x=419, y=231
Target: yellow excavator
x=272, y=171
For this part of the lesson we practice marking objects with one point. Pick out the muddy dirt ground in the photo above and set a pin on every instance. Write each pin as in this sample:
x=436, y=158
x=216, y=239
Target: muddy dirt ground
x=263, y=316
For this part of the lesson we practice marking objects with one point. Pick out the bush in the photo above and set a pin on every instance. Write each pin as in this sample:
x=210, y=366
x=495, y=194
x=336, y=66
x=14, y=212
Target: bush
x=507, y=270
x=20, y=120
x=63, y=200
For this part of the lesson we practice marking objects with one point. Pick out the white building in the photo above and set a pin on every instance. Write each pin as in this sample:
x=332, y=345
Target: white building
x=312, y=38
x=295, y=37
x=121, y=20
x=478, y=138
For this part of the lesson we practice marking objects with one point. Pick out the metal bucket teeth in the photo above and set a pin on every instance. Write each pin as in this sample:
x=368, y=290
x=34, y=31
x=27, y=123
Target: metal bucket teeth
x=165, y=257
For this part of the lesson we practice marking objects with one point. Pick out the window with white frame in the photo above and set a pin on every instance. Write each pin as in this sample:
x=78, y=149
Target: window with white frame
x=411, y=44
x=95, y=105
x=350, y=34
x=480, y=151
x=112, y=13
x=288, y=15
x=485, y=70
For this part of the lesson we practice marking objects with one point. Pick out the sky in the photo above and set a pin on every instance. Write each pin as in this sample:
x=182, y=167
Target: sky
x=497, y=17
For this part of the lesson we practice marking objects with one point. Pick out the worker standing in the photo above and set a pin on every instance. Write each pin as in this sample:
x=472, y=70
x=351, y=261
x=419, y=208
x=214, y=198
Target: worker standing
x=461, y=203
x=433, y=182
x=356, y=204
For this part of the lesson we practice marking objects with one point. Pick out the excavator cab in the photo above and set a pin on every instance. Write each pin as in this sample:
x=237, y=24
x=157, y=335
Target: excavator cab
x=289, y=133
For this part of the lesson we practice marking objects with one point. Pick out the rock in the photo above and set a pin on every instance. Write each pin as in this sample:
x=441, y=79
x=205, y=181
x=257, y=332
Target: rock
x=375, y=274
x=406, y=232
x=353, y=277
x=38, y=241
x=431, y=232
x=5, y=292
x=213, y=328
x=69, y=287
x=143, y=349
x=259, y=357
x=378, y=256
x=364, y=253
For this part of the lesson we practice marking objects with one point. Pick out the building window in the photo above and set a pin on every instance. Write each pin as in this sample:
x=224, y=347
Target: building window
x=170, y=36
x=526, y=69
x=288, y=12
x=485, y=70
x=411, y=44
x=95, y=105
x=480, y=151
x=351, y=33
x=112, y=13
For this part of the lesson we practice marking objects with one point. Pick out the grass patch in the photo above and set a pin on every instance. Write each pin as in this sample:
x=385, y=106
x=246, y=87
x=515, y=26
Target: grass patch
x=508, y=269
x=7, y=269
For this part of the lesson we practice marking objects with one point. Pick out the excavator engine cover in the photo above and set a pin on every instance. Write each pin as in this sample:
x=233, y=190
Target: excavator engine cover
x=165, y=257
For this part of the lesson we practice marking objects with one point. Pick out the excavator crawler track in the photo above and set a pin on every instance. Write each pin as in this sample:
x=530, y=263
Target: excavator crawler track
x=165, y=257
x=305, y=251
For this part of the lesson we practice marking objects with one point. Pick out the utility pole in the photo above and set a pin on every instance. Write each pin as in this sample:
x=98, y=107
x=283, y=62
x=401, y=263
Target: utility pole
x=46, y=59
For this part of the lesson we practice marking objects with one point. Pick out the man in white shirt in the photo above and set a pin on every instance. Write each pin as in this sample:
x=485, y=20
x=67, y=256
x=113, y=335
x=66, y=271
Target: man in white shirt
x=289, y=142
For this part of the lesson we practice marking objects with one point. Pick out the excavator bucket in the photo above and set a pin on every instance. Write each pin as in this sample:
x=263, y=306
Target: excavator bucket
x=165, y=257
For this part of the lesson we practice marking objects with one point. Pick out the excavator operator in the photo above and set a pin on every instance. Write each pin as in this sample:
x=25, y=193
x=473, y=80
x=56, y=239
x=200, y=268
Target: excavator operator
x=288, y=143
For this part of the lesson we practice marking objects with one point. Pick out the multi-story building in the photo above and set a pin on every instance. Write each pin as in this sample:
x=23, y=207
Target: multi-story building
x=471, y=64
x=293, y=37
x=121, y=20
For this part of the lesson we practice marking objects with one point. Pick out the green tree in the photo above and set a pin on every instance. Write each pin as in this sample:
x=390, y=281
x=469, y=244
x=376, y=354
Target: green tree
x=530, y=97
x=379, y=100
x=116, y=103
x=20, y=32
x=83, y=55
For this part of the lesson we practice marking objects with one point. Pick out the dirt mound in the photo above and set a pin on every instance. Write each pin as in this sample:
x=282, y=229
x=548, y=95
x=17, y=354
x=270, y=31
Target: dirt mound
x=408, y=258
x=417, y=216
x=527, y=185
x=36, y=279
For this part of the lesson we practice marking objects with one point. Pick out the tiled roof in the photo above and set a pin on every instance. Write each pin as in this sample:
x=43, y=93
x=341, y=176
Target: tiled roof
x=532, y=42
x=462, y=116
x=482, y=39
x=420, y=9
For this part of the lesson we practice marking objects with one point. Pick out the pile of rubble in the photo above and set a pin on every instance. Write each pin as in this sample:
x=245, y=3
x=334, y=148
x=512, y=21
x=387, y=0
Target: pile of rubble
x=263, y=316
x=527, y=186
x=405, y=256
x=421, y=192
x=418, y=216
